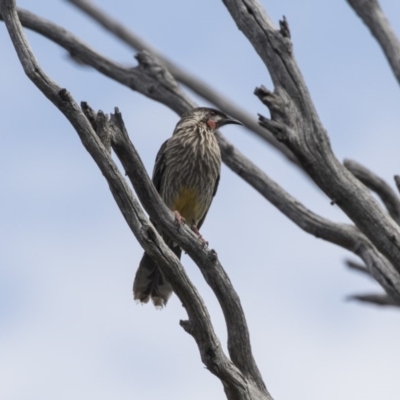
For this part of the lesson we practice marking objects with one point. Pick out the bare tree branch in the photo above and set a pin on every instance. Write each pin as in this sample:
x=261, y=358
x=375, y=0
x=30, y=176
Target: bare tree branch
x=181, y=75
x=377, y=185
x=142, y=78
x=165, y=90
x=377, y=299
x=199, y=324
x=290, y=105
x=239, y=346
x=372, y=15
x=344, y=235
x=294, y=122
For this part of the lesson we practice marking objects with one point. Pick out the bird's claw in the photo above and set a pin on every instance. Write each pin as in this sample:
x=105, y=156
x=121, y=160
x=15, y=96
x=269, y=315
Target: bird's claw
x=202, y=240
x=179, y=220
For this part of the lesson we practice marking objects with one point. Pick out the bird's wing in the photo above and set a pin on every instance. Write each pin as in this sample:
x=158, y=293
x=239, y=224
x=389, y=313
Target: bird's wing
x=205, y=214
x=159, y=167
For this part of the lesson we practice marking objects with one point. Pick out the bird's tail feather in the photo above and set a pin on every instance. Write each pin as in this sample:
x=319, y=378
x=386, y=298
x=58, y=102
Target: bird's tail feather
x=150, y=282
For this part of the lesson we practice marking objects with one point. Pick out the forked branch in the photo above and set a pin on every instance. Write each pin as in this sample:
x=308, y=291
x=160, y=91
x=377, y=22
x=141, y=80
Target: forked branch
x=290, y=104
x=165, y=90
x=238, y=335
x=237, y=385
x=192, y=82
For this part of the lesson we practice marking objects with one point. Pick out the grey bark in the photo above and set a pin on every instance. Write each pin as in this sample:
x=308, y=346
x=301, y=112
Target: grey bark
x=197, y=85
x=295, y=122
x=238, y=385
x=239, y=346
x=153, y=80
x=344, y=235
x=378, y=185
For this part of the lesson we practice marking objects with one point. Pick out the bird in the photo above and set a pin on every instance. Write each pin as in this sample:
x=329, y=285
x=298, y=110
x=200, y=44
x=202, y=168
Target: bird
x=186, y=175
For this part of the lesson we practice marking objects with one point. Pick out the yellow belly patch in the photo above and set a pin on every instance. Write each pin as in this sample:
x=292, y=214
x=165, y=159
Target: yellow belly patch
x=187, y=204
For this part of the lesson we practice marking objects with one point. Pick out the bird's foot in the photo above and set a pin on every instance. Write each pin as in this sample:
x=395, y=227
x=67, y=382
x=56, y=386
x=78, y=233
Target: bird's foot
x=179, y=220
x=202, y=240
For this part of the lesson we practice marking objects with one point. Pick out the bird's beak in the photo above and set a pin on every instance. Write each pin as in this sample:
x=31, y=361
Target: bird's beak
x=226, y=121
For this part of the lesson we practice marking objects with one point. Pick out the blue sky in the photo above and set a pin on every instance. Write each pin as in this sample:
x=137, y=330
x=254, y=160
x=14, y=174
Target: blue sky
x=68, y=325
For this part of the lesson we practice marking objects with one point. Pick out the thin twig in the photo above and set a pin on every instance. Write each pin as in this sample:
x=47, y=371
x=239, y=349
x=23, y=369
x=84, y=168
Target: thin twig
x=181, y=75
x=376, y=299
x=372, y=15
x=355, y=266
x=397, y=181
x=142, y=78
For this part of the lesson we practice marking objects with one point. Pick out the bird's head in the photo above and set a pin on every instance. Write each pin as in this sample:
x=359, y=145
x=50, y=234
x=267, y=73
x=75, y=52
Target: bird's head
x=207, y=118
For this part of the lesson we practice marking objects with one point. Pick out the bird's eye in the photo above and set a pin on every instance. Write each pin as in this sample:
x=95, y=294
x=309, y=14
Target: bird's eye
x=212, y=113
